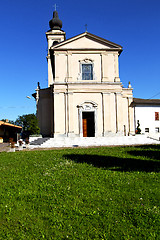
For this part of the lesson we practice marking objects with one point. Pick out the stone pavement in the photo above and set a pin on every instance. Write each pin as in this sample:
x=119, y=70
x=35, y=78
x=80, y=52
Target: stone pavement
x=99, y=141
x=46, y=143
x=4, y=147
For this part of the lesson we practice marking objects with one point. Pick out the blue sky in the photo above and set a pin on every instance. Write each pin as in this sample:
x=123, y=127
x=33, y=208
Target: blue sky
x=23, y=46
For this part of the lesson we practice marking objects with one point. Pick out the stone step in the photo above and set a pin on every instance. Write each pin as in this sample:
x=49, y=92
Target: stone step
x=39, y=141
x=93, y=141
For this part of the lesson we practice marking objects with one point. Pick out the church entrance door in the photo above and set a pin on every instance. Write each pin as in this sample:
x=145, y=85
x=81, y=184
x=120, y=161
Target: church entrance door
x=88, y=124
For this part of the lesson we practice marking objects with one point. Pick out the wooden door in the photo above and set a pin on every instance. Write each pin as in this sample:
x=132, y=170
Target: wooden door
x=84, y=127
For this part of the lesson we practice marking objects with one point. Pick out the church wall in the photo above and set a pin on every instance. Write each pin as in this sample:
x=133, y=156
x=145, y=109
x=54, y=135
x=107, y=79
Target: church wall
x=84, y=43
x=66, y=113
x=118, y=116
x=50, y=72
x=44, y=115
x=120, y=113
x=125, y=114
x=131, y=116
x=60, y=67
x=77, y=59
x=72, y=115
x=109, y=113
x=80, y=98
x=68, y=66
x=128, y=109
x=59, y=114
x=112, y=110
x=109, y=67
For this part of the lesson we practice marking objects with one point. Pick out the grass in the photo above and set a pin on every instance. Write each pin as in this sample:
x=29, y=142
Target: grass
x=95, y=193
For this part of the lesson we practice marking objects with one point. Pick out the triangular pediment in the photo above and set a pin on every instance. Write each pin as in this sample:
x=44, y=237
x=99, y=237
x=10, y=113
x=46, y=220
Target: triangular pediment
x=87, y=41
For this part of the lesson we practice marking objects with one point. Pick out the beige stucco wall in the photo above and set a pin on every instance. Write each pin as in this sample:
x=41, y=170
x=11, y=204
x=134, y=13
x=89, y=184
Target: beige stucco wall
x=60, y=110
x=69, y=55
x=68, y=66
x=83, y=43
x=112, y=112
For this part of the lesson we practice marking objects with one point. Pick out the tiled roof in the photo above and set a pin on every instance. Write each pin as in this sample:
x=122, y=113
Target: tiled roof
x=139, y=101
x=9, y=124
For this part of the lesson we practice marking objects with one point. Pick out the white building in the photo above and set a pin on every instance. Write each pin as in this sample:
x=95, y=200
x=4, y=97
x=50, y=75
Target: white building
x=85, y=97
x=146, y=111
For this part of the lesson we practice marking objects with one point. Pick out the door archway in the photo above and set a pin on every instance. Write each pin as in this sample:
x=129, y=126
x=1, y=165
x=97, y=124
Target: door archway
x=88, y=119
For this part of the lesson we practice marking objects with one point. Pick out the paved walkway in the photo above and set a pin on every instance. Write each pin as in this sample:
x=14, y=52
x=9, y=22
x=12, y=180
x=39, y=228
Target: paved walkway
x=84, y=142
x=4, y=147
x=100, y=141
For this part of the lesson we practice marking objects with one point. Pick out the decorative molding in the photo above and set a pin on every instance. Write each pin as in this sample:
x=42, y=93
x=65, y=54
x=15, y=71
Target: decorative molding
x=88, y=105
x=86, y=60
x=106, y=93
x=69, y=53
x=104, y=53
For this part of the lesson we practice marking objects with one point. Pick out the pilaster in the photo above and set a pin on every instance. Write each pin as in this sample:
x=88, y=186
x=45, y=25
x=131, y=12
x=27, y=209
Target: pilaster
x=104, y=67
x=69, y=66
x=50, y=72
x=116, y=68
x=70, y=114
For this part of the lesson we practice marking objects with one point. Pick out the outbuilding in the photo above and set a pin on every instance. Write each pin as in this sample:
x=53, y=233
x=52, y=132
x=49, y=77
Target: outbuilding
x=146, y=113
x=8, y=130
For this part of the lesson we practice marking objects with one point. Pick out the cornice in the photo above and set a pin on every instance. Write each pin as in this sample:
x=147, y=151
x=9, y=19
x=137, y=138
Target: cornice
x=87, y=83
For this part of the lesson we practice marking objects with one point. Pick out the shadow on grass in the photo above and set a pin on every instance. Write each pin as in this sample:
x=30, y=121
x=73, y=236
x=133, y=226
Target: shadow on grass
x=116, y=163
x=151, y=152
x=151, y=147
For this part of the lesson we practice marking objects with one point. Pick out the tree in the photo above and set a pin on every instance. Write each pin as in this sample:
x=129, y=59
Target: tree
x=29, y=124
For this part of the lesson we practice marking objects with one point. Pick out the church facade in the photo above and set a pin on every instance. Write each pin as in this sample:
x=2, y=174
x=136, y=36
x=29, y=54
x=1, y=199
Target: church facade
x=84, y=97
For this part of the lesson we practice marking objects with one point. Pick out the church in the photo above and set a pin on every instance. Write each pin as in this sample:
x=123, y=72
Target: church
x=85, y=96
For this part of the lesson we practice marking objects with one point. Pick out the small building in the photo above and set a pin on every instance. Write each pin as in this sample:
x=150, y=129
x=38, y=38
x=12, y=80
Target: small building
x=8, y=130
x=146, y=112
x=85, y=96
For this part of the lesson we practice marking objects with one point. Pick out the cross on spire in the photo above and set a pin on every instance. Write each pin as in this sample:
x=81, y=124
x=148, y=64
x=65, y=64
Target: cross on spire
x=86, y=27
x=55, y=7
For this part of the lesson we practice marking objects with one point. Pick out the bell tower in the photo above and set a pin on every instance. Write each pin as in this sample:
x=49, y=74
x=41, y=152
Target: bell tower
x=54, y=36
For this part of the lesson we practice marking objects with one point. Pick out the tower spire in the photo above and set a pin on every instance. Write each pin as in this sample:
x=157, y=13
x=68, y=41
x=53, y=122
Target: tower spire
x=55, y=23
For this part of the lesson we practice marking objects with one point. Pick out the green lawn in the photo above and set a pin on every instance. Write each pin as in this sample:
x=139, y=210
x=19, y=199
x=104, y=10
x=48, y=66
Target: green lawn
x=95, y=193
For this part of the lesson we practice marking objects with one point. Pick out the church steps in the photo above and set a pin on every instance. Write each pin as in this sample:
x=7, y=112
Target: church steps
x=99, y=141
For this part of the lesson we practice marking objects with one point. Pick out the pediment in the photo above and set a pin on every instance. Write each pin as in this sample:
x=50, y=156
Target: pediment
x=87, y=41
